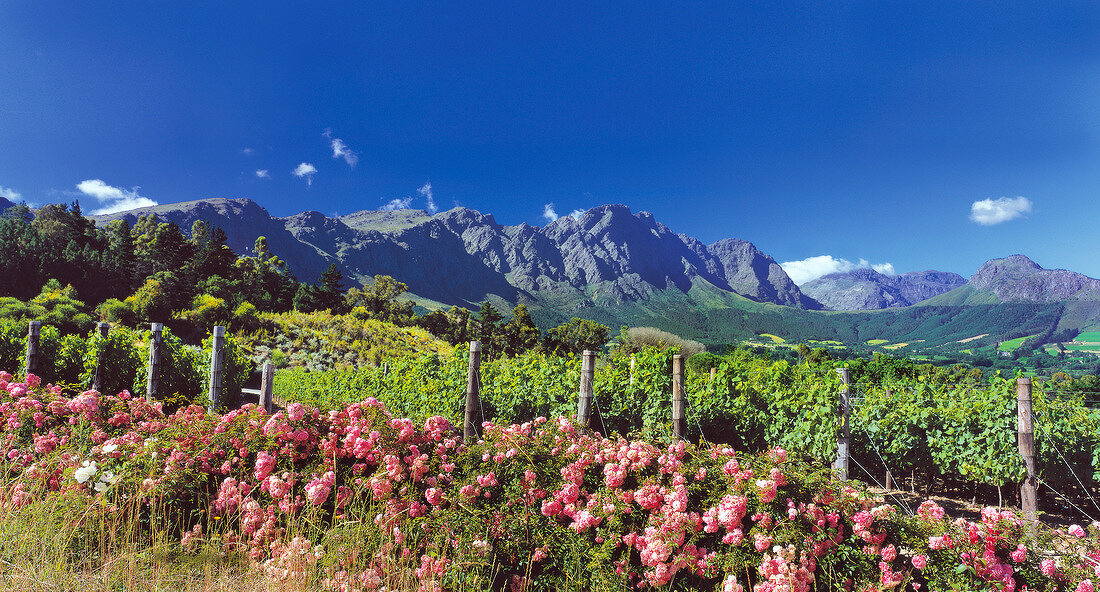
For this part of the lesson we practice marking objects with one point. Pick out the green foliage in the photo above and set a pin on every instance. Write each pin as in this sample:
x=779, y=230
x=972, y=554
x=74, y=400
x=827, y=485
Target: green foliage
x=322, y=340
x=576, y=336
x=380, y=300
x=180, y=372
x=236, y=364
x=121, y=362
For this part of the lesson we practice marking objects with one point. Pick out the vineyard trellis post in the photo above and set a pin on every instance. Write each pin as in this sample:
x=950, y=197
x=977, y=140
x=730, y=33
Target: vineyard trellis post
x=217, y=370
x=267, y=387
x=1029, y=489
x=473, y=396
x=152, y=379
x=840, y=466
x=633, y=363
x=97, y=380
x=678, y=422
x=584, y=394
x=34, y=331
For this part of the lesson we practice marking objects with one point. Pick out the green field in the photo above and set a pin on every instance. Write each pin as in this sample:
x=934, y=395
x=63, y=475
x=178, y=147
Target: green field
x=1012, y=344
x=1091, y=336
x=877, y=341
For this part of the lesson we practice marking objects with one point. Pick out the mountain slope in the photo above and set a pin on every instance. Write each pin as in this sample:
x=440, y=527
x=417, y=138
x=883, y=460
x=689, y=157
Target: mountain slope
x=867, y=289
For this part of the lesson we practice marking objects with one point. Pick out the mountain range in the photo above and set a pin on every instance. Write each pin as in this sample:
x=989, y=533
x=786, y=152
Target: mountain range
x=619, y=267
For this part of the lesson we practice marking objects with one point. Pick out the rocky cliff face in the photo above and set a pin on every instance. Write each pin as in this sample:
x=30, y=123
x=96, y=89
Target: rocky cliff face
x=1019, y=278
x=461, y=256
x=867, y=289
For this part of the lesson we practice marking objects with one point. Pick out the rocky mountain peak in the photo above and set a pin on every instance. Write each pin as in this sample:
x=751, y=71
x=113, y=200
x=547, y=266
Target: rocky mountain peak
x=1019, y=278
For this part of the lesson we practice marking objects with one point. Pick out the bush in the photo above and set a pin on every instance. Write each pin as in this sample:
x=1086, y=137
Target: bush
x=635, y=339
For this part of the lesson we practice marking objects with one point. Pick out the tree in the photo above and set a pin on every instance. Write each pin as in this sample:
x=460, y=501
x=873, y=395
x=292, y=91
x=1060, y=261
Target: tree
x=330, y=289
x=379, y=300
x=576, y=336
x=488, y=330
x=520, y=333
x=263, y=280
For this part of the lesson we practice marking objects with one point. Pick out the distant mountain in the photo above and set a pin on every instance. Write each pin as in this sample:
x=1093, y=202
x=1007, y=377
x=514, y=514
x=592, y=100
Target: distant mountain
x=1018, y=278
x=5, y=204
x=606, y=256
x=867, y=289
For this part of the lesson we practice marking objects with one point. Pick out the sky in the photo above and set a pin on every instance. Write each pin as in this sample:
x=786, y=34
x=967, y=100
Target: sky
x=833, y=135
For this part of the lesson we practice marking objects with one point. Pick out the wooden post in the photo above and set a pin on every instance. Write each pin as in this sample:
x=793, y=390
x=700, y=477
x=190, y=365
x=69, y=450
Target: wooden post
x=840, y=466
x=678, y=423
x=633, y=363
x=713, y=371
x=217, y=359
x=473, y=394
x=97, y=381
x=152, y=379
x=889, y=480
x=1029, y=489
x=34, y=331
x=267, y=387
x=584, y=395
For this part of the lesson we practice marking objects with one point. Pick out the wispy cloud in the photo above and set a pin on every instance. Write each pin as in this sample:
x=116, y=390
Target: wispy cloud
x=247, y=151
x=988, y=212
x=548, y=212
x=263, y=173
x=426, y=191
x=306, y=171
x=340, y=149
x=113, y=199
x=9, y=193
x=812, y=268
x=398, y=204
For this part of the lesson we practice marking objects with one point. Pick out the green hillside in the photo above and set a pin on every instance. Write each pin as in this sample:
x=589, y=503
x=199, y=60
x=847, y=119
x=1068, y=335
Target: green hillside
x=716, y=318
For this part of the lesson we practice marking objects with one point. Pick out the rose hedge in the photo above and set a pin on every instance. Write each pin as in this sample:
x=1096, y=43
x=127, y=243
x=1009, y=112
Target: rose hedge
x=361, y=500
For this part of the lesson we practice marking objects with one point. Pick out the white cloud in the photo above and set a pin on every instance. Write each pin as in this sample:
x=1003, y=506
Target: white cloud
x=307, y=171
x=988, y=212
x=263, y=173
x=113, y=199
x=426, y=191
x=247, y=151
x=398, y=204
x=812, y=268
x=9, y=193
x=340, y=149
x=549, y=213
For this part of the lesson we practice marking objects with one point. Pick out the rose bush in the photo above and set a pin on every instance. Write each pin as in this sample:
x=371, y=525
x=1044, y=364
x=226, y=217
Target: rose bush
x=356, y=499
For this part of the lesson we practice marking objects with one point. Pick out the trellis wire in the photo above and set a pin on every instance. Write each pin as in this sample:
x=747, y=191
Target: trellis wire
x=1049, y=486
x=1068, y=466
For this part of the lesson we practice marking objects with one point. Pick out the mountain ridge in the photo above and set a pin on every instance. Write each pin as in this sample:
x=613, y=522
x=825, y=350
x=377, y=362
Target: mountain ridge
x=606, y=255
x=867, y=289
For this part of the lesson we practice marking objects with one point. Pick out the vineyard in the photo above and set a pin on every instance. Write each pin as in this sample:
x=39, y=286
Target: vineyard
x=363, y=483
x=946, y=432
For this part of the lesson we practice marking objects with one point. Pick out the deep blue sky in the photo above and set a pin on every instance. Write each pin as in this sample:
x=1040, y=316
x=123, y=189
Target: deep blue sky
x=843, y=129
